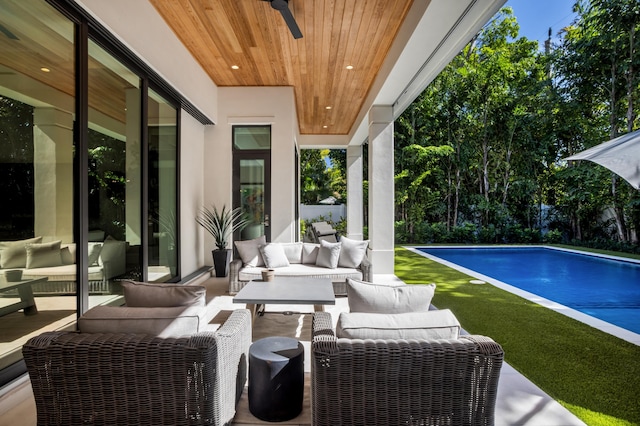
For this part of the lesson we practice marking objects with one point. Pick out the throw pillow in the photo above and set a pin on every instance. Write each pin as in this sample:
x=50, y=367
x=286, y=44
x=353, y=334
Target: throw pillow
x=249, y=251
x=13, y=254
x=328, y=255
x=438, y=324
x=310, y=253
x=43, y=255
x=274, y=255
x=377, y=298
x=68, y=254
x=352, y=252
x=94, y=253
x=293, y=252
x=149, y=295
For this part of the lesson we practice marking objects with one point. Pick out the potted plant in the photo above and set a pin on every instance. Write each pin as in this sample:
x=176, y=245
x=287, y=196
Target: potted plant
x=221, y=224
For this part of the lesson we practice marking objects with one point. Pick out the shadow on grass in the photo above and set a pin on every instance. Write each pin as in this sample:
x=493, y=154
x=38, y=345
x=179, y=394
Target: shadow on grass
x=593, y=374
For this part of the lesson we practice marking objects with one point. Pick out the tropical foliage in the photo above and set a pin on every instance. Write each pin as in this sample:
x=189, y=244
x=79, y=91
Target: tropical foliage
x=479, y=153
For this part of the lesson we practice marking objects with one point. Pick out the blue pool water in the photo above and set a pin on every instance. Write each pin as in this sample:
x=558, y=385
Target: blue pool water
x=603, y=288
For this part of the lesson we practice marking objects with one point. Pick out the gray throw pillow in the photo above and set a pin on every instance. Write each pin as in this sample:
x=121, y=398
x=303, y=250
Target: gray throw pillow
x=150, y=295
x=328, y=255
x=375, y=298
x=274, y=255
x=249, y=251
x=310, y=253
x=43, y=255
x=352, y=252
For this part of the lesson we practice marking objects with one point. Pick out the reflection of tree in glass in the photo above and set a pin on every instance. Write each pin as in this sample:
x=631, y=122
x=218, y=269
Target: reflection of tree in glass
x=107, y=184
x=16, y=169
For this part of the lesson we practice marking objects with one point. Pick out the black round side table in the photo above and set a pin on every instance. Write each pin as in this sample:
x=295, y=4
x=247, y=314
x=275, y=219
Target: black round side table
x=276, y=378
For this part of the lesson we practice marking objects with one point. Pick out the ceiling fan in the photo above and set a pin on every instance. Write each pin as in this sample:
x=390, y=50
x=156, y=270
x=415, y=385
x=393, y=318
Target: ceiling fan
x=283, y=7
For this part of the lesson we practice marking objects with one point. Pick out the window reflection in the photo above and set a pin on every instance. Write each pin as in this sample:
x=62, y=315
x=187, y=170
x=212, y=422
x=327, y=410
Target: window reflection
x=115, y=231
x=163, y=234
x=37, y=105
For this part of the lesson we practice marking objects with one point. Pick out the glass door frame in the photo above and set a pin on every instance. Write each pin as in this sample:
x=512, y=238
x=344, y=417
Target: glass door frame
x=265, y=156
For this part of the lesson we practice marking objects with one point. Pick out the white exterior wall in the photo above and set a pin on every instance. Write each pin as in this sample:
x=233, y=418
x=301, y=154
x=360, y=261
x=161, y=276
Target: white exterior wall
x=256, y=105
x=194, y=252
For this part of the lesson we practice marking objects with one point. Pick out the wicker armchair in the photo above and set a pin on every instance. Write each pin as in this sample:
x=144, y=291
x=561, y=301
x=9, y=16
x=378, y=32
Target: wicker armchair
x=402, y=382
x=136, y=379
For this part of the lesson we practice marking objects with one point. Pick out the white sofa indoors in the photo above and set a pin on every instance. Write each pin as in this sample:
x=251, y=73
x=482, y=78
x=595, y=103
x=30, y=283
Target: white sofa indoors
x=337, y=261
x=56, y=261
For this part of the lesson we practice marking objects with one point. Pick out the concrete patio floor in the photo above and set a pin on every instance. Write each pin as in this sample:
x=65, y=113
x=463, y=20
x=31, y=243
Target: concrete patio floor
x=520, y=402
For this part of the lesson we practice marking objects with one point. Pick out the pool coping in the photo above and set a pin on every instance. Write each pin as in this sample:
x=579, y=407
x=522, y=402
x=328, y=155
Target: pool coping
x=599, y=324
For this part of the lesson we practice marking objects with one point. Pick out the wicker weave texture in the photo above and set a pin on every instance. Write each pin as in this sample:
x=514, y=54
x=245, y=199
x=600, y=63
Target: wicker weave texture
x=400, y=382
x=132, y=379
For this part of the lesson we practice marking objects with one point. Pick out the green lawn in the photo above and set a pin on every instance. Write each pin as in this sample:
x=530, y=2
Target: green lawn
x=593, y=374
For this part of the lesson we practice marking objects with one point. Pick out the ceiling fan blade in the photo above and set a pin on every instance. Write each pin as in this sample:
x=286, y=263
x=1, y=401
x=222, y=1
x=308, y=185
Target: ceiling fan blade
x=291, y=23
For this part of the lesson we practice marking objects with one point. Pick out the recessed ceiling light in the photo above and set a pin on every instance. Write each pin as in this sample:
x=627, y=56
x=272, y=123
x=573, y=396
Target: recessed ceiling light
x=328, y=107
x=325, y=127
x=235, y=67
x=349, y=67
x=45, y=69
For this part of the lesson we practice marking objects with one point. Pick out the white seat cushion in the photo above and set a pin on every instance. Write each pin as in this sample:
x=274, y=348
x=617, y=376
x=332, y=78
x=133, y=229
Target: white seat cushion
x=302, y=270
x=438, y=324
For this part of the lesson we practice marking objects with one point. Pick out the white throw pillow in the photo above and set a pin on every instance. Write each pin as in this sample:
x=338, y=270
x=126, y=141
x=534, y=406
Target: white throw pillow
x=94, y=253
x=274, y=255
x=438, y=324
x=293, y=251
x=385, y=299
x=352, y=252
x=43, y=255
x=328, y=255
x=249, y=251
x=13, y=254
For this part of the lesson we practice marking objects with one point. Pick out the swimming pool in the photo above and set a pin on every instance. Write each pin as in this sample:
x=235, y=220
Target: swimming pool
x=604, y=288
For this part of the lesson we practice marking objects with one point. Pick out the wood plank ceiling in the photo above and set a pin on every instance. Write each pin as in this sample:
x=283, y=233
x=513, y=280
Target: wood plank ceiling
x=252, y=36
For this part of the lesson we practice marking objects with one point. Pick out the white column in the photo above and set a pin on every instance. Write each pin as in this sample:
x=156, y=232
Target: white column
x=53, y=174
x=133, y=194
x=381, y=189
x=354, y=193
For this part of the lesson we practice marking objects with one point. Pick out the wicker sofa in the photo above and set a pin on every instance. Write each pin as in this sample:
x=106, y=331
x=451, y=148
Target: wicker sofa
x=394, y=382
x=300, y=260
x=123, y=378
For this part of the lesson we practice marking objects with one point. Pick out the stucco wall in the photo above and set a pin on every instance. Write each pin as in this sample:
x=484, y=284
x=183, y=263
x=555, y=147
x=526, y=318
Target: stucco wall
x=256, y=105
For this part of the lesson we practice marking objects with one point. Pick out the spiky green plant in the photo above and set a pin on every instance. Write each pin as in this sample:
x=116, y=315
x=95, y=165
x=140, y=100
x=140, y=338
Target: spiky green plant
x=221, y=224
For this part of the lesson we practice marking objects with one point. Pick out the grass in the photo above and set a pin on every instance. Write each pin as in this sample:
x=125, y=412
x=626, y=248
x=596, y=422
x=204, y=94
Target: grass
x=594, y=375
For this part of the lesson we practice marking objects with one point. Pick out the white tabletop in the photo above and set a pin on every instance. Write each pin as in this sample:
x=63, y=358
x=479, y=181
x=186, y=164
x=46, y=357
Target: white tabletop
x=288, y=290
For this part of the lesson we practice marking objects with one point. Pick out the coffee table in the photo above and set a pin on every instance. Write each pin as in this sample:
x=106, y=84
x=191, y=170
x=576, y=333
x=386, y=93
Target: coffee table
x=287, y=291
x=27, y=302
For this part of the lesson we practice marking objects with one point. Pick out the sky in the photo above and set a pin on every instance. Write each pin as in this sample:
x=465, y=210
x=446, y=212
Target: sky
x=536, y=16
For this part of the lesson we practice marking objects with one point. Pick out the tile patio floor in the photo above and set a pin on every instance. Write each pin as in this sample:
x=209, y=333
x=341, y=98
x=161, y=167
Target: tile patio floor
x=520, y=402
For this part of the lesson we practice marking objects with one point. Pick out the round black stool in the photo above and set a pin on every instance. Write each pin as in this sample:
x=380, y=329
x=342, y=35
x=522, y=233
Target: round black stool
x=276, y=378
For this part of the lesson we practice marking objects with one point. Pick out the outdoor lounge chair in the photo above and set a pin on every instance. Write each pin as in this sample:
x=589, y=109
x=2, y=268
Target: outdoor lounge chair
x=139, y=379
x=322, y=231
x=402, y=382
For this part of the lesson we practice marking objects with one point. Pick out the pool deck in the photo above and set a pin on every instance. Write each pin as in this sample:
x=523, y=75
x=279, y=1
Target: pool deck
x=599, y=324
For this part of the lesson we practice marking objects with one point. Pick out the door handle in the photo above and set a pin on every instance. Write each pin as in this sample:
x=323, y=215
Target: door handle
x=266, y=220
